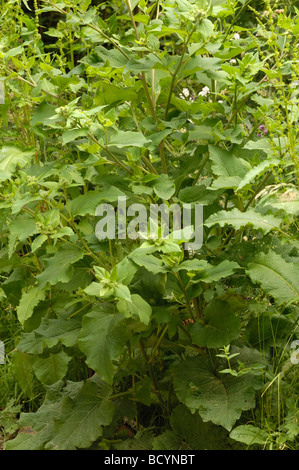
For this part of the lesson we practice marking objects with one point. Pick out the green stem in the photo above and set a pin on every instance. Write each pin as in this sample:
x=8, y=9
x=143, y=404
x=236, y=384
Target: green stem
x=80, y=310
x=158, y=343
x=113, y=157
x=120, y=394
x=95, y=28
x=163, y=157
x=142, y=76
x=151, y=372
x=181, y=284
x=235, y=20
x=174, y=76
x=95, y=257
x=257, y=190
x=200, y=169
x=34, y=85
x=149, y=164
x=196, y=308
x=227, y=239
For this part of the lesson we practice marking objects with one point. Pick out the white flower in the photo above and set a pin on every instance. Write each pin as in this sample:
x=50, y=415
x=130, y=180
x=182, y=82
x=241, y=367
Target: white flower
x=186, y=92
x=236, y=36
x=233, y=61
x=205, y=91
x=294, y=84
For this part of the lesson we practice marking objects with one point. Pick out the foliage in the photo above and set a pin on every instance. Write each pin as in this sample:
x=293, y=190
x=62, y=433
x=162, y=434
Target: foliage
x=131, y=344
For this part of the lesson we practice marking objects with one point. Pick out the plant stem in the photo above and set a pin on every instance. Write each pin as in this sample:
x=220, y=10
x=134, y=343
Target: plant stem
x=151, y=371
x=203, y=163
x=158, y=343
x=163, y=157
x=114, y=158
x=257, y=190
x=235, y=20
x=142, y=76
x=149, y=165
x=196, y=308
x=181, y=284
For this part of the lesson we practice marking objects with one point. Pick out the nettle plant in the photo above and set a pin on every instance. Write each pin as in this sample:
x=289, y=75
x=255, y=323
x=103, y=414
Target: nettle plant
x=140, y=344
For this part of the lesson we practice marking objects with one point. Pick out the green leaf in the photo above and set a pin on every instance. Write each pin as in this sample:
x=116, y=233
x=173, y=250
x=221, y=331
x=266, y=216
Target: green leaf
x=249, y=434
x=195, y=265
x=93, y=289
x=26, y=4
x=260, y=144
x=43, y=114
x=70, y=417
x=59, y=330
x=59, y=267
x=119, y=291
x=217, y=399
x=239, y=219
x=189, y=432
x=224, y=163
x=82, y=418
x=205, y=28
x=257, y=171
x=73, y=134
x=145, y=64
x=111, y=93
x=127, y=139
x=215, y=273
x=220, y=329
x=28, y=301
x=21, y=364
x=268, y=330
x=40, y=423
x=86, y=204
x=14, y=52
x=20, y=203
x=228, y=167
x=143, y=391
x=164, y=187
x=149, y=262
x=22, y=227
x=51, y=369
x=113, y=57
x=12, y=157
x=102, y=340
x=137, y=307
x=122, y=292
x=288, y=202
x=277, y=277
x=199, y=194
x=125, y=271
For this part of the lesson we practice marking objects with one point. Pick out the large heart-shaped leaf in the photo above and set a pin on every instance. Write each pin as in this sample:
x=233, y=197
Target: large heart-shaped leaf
x=51, y=369
x=82, y=418
x=190, y=432
x=221, y=327
x=217, y=399
x=102, y=339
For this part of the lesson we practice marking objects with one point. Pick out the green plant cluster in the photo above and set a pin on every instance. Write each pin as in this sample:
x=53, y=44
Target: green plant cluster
x=141, y=344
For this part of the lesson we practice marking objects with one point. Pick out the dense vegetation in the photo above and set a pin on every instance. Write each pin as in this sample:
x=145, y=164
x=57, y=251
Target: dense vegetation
x=142, y=344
